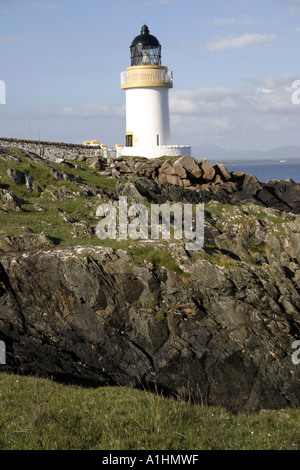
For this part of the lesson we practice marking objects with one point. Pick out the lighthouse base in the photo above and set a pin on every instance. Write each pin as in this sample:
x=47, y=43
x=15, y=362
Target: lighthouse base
x=155, y=152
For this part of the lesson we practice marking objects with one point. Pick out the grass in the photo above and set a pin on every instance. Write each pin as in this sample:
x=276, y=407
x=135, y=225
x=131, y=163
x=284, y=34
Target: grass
x=245, y=213
x=220, y=259
x=42, y=211
x=220, y=210
x=39, y=414
x=160, y=258
x=280, y=219
x=172, y=159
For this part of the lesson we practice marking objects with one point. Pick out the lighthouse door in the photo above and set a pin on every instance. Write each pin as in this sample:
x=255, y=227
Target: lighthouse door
x=129, y=140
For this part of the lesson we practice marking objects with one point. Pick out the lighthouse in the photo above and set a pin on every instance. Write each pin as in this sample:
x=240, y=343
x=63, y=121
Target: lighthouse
x=147, y=83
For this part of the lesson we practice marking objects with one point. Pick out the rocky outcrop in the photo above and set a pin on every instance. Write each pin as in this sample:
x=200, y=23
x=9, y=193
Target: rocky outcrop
x=26, y=242
x=250, y=190
x=218, y=329
x=211, y=181
x=9, y=201
x=216, y=325
x=19, y=177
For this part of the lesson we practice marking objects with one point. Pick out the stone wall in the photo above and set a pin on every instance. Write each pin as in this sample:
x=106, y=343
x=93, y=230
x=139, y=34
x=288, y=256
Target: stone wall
x=61, y=150
x=52, y=150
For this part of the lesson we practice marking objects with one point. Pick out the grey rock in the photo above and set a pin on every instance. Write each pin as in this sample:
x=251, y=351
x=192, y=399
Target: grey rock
x=207, y=169
x=179, y=169
x=130, y=191
x=31, y=185
x=222, y=171
x=97, y=163
x=166, y=168
x=111, y=322
x=219, y=329
x=81, y=229
x=16, y=176
x=9, y=201
x=191, y=166
x=26, y=242
x=222, y=336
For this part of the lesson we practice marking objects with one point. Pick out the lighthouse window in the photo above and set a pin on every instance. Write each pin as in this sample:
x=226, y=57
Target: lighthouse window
x=157, y=140
x=145, y=55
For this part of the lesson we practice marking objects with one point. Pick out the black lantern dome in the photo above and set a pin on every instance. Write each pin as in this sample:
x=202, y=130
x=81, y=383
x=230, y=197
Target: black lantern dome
x=145, y=49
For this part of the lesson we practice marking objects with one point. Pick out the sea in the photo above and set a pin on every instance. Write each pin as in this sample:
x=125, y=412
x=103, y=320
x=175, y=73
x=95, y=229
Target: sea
x=268, y=171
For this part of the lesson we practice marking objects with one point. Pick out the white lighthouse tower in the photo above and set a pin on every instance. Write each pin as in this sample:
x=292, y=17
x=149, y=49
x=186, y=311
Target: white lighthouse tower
x=147, y=83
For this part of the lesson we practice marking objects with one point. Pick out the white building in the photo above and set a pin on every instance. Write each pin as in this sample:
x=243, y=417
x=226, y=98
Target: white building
x=146, y=83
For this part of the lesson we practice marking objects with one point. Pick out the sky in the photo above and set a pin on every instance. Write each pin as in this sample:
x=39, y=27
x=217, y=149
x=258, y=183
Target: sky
x=235, y=67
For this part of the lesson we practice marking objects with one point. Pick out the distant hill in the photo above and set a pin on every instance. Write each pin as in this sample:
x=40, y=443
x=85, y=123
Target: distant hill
x=215, y=153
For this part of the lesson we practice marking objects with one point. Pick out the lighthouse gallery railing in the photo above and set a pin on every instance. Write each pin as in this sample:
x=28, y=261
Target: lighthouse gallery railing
x=147, y=75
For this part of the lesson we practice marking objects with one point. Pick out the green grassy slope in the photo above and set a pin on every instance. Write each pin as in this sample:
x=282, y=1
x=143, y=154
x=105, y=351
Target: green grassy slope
x=40, y=414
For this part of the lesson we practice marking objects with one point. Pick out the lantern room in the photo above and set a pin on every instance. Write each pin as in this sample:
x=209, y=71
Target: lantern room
x=145, y=49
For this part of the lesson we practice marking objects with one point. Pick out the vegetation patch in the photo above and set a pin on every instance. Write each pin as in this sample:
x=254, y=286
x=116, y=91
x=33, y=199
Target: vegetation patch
x=39, y=414
x=58, y=204
x=158, y=257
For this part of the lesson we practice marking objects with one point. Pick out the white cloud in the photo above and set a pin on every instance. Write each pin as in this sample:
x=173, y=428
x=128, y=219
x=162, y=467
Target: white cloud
x=48, y=6
x=4, y=10
x=221, y=113
x=229, y=21
x=206, y=101
x=89, y=110
x=158, y=2
x=245, y=2
x=238, y=42
x=270, y=95
x=294, y=11
x=12, y=38
x=34, y=40
x=269, y=83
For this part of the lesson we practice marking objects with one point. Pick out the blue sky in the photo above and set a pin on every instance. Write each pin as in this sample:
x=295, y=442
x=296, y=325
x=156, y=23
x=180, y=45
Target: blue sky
x=233, y=61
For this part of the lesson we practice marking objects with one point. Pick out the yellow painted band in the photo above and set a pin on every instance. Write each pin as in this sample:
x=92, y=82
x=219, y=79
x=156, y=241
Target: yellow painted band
x=146, y=84
x=144, y=67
